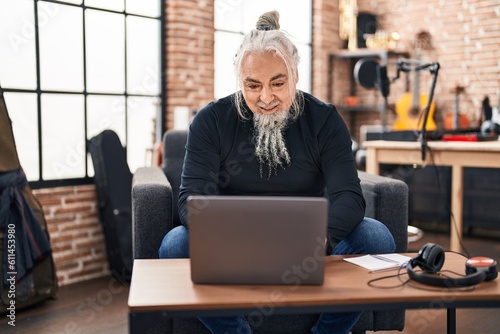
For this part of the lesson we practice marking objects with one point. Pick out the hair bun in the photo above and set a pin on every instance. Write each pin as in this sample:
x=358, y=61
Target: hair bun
x=268, y=21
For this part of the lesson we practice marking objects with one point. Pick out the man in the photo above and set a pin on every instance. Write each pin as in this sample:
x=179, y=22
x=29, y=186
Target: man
x=271, y=139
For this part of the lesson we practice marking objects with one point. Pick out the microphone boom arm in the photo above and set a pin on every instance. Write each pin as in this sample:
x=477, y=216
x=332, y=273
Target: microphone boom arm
x=408, y=65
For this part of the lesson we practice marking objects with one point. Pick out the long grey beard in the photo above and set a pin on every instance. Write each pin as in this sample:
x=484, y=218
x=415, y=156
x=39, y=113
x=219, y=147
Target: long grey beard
x=270, y=148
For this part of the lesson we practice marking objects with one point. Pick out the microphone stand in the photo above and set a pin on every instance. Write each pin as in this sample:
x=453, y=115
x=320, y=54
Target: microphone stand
x=405, y=65
x=383, y=84
x=434, y=69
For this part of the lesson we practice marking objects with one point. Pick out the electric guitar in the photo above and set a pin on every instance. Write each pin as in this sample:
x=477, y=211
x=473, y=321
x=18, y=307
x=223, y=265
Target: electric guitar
x=456, y=120
x=410, y=107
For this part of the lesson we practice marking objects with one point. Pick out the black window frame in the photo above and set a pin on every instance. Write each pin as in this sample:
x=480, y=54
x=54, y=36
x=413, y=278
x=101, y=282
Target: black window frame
x=160, y=124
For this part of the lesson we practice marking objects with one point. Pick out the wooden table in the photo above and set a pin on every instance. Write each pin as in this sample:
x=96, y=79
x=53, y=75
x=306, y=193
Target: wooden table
x=457, y=155
x=162, y=288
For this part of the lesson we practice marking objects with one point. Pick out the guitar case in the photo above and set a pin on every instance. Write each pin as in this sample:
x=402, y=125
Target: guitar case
x=27, y=267
x=113, y=181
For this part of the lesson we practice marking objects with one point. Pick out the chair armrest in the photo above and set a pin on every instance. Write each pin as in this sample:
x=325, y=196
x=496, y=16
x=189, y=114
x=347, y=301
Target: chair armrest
x=387, y=201
x=152, y=202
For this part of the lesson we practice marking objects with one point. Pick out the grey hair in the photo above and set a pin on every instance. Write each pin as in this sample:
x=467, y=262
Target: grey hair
x=268, y=38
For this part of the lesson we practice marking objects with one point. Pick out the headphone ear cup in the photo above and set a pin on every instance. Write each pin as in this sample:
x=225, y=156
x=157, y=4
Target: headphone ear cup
x=480, y=263
x=432, y=258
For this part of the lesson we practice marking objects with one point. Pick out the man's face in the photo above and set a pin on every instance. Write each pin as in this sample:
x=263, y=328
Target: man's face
x=266, y=83
x=267, y=94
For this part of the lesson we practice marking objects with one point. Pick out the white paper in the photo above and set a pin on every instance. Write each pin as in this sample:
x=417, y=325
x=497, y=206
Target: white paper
x=380, y=262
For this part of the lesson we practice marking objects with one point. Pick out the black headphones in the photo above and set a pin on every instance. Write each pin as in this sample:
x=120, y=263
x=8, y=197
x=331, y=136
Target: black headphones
x=431, y=259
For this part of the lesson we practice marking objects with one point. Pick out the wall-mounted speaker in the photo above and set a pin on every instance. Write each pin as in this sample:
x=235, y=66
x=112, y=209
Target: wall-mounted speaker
x=366, y=24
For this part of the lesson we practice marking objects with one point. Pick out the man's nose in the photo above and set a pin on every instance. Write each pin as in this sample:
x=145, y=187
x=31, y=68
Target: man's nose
x=266, y=95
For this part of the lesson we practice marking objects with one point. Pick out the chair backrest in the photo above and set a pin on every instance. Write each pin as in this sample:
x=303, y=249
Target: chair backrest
x=174, y=149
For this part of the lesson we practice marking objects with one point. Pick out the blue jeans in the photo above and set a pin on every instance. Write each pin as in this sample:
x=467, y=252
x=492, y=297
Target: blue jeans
x=369, y=237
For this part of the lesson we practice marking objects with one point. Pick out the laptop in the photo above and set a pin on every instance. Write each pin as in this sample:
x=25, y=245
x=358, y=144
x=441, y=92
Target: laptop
x=257, y=239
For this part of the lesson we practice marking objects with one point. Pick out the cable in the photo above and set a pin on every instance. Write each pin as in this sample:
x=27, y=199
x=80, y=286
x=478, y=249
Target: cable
x=398, y=275
x=447, y=207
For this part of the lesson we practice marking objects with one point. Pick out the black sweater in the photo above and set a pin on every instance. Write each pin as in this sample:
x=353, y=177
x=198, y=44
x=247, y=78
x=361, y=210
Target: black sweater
x=220, y=160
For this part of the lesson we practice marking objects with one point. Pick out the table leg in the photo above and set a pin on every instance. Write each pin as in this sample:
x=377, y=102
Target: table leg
x=456, y=219
x=451, y=320
x=372, y=165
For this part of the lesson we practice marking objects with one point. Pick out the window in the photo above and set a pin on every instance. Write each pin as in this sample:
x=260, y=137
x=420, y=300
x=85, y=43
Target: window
x=71, y=69
x=233, y=19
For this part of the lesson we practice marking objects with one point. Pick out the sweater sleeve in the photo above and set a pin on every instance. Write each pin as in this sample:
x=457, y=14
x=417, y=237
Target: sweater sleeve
x=347, y=204
x=202, y=160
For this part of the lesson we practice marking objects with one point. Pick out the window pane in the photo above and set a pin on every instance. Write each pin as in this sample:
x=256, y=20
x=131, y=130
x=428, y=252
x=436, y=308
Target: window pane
x=240, y=17
x=106, y=112
x=17, y=44
x=108, y=4
x=105, y=47
x=22, y=109
x=304, y=67
x=295, y=20
x=103, y=113
x=228, y=14
x=63, y=137
x=226, y=45
x=143, y=55
x=61, y=48
x=142, y=115
x=144, y=7
x=62, y=122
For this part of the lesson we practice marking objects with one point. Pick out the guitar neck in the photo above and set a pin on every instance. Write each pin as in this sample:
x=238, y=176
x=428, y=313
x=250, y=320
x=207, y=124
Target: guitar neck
x=416, y=86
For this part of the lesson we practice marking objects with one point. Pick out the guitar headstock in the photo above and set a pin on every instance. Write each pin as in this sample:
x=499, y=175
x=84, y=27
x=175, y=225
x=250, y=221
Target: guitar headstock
x=423, y=41
x=458, y=89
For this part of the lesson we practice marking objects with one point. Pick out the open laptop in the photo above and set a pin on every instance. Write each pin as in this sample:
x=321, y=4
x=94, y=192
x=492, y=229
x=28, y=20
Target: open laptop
x=257, y=239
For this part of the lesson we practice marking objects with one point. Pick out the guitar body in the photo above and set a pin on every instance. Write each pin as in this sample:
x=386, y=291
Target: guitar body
x=411, y=117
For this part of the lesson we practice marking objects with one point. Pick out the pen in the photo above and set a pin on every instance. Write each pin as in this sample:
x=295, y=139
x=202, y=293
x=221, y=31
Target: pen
x=380, y=257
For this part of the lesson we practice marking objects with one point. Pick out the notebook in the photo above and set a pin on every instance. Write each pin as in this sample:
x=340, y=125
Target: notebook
x=257, y=239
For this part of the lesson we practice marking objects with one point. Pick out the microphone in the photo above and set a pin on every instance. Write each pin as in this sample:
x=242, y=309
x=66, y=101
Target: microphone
x=486, y=109
x=383, y=82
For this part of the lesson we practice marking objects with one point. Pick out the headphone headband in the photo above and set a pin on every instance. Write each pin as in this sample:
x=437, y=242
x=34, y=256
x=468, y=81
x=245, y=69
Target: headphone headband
x=446, y=282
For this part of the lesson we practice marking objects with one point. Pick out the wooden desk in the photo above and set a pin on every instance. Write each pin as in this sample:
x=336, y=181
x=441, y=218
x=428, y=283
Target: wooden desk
x=163, y=288
x=457, y=155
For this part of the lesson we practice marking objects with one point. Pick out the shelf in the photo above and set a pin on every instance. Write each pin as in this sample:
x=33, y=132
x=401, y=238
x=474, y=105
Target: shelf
x=352, y=57
x=361, y=53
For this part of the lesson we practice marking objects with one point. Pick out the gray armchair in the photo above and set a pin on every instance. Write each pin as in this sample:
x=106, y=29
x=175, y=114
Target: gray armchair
x=154, y=213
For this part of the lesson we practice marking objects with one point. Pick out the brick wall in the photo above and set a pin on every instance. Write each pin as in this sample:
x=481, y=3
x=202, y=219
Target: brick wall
x=466, y=35
x=75, y=233
x=325, y=40
x=466, y=38
x=190, y=55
